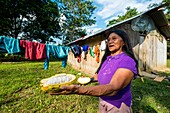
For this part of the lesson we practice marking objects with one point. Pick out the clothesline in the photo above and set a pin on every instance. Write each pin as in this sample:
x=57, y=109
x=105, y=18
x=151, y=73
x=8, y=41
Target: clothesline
x=34, y=50
x=37, y=51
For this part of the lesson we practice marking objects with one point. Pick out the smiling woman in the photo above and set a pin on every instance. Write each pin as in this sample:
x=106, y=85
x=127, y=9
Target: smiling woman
x=118, y=68
x=115, y=43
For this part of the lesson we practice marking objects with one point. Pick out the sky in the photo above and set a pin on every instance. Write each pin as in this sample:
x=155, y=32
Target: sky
x=109, y=9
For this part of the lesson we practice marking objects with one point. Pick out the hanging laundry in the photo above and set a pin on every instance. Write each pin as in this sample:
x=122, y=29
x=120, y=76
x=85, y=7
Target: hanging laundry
x=83, y=55
x=76, y=50
x=60, y=52
x=93, y=48
x=85, y=51
x=85, y=48
x=97, y=53
x=79, y=59
x=91, y=52
x=33, y=50
x=9, y=45
x=103, y=45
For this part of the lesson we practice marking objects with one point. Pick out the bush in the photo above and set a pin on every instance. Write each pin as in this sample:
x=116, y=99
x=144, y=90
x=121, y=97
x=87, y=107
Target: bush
x=11, y=58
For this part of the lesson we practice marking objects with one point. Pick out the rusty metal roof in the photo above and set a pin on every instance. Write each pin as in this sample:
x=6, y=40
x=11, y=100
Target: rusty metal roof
x=156, y=14
x=161, y=22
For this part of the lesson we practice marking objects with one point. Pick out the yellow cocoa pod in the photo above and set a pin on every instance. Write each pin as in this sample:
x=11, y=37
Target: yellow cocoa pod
x=54, y=83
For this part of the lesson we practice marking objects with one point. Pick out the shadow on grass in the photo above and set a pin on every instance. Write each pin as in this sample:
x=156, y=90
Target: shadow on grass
x=150, y=96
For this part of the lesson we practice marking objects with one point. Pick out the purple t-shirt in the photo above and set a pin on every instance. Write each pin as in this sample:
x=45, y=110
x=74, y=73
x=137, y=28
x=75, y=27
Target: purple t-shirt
x=109, y=67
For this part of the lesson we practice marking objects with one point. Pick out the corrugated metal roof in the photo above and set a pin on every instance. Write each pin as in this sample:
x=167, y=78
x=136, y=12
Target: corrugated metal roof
x=157, y=15
x=161, y=22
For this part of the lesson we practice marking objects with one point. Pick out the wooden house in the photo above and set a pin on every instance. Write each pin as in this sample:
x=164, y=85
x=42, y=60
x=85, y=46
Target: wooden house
x=148, y=34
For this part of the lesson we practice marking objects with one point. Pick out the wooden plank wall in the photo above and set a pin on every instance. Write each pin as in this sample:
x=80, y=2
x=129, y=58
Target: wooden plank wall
x=150, y=50
x=156, y=51
x=88, y=66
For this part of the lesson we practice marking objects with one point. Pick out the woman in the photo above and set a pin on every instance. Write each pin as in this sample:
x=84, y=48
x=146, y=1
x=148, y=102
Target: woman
x=117, y=70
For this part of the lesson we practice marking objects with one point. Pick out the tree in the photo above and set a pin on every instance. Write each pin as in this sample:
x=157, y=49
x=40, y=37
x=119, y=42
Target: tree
x=167, y=12
x=129, y=13
x=76, y=15
x=38, y=18
x=45, y=22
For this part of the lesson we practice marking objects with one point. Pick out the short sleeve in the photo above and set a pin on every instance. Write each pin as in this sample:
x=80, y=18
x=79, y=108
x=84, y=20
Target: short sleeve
x=129, y=63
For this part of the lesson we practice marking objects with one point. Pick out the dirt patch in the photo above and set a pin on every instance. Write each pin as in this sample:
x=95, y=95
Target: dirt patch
x=164, y=70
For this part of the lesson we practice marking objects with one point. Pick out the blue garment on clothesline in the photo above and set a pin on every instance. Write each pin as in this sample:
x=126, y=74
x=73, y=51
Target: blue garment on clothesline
x=9, y=45
x=85, y=48
x=76, y=50
x=60, y=52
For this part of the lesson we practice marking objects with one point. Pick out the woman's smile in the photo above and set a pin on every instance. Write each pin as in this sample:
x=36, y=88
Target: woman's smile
x=115, y=43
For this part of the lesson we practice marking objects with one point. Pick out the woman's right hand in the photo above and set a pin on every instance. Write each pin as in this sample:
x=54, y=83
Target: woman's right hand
x=65, y=90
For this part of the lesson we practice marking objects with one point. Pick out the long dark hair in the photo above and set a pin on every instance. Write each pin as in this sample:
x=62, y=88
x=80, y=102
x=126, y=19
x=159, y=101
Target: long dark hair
x=127, y=48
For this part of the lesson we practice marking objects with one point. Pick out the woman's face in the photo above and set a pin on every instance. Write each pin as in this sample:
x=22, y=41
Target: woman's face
x=115, y=43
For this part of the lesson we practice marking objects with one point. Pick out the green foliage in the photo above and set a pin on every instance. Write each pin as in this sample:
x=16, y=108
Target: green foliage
x=129, y=13
x=45, y=22
x=40, y=19
x=168, y=63
x=133, y=12
x=37, y=18
x=5, y=57
x=76, y=15
x=168, y=49
x=20, y=92
x=167, y=9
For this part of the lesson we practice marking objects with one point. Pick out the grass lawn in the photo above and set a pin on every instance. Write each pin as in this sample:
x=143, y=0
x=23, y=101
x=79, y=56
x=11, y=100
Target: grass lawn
x=20, y=92
x=168, y=63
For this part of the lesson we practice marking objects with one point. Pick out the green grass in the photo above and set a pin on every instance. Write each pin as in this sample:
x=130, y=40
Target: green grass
x=20, y=92
x=168, y=63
